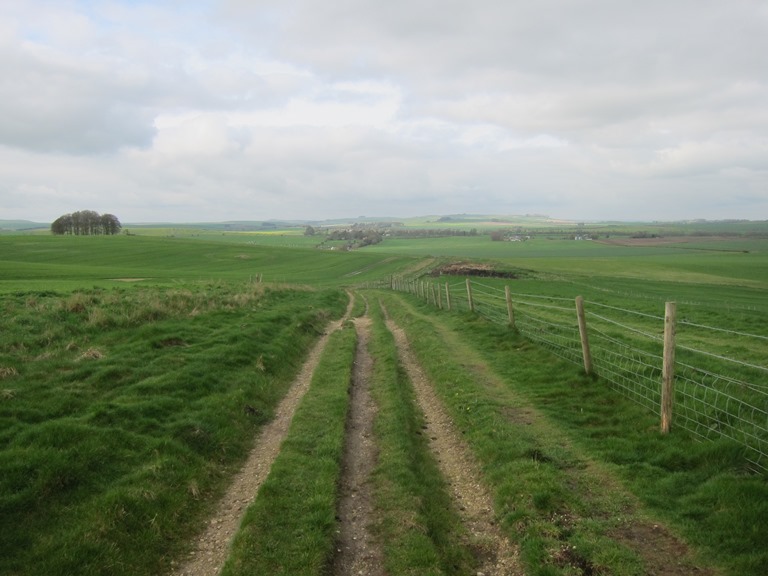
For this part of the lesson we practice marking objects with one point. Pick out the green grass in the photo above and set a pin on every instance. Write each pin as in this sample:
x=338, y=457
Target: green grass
x=66, y=263
x=125, y=413
x=420, y=530
x=290, y=527
x=733, y=346
x=531, y=466
x=494, y=382
x=586, y=259
x=121, y=403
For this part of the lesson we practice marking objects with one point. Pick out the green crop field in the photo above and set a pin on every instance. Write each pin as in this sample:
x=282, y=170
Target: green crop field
x=136, y=369
x=732, y=262
x=46, y=262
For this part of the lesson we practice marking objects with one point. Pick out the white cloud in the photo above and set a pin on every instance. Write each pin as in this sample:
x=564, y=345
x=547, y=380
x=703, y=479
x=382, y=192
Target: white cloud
x=258, y=109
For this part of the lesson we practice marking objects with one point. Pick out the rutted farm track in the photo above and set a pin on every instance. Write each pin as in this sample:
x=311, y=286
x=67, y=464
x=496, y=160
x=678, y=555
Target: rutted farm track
x=358, y=544
x=209, y=551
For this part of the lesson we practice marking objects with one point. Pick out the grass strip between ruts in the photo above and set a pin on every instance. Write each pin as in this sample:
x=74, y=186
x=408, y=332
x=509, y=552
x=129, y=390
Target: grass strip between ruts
x=420, y=531
x=290, y=527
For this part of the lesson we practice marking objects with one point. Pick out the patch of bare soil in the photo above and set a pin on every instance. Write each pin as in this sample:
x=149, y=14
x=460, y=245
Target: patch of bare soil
x=663, y=554
x=357, y=552
x=471, y=269
x=211, y=548
x=496, y=555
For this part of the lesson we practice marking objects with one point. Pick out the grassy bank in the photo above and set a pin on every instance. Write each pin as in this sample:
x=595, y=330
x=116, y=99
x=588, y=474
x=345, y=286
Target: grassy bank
x=124, y=411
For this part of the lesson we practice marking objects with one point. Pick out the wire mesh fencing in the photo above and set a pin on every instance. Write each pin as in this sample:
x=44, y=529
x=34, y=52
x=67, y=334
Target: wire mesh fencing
x=720, y=383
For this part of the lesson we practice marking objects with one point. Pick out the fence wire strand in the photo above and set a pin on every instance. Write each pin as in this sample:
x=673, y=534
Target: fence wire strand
x=711, y=400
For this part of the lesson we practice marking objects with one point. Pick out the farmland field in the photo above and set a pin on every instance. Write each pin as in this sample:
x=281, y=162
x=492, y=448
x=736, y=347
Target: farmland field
x=44, y=263
x=136, y=371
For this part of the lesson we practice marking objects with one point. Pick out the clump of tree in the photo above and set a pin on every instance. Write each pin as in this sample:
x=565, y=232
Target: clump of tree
x=86, y=223
x=357, y=237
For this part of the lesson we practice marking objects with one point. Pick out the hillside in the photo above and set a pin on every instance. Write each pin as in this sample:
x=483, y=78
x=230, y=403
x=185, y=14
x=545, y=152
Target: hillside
x=21, y=225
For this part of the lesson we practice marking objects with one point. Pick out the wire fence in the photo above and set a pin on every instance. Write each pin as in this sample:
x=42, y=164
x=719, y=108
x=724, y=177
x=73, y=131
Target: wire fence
x=720, y=376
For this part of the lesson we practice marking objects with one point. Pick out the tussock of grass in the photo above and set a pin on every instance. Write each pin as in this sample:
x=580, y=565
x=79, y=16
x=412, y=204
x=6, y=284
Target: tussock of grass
x=8, y=372
x=290, y=527
x=108, y=463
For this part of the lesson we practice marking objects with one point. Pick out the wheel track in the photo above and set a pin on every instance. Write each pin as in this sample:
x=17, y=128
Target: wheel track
x=357, y=551
x=496, y=555
x=211, y=548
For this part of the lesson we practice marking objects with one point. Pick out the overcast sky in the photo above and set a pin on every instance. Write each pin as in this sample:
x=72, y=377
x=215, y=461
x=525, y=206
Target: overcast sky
x=204, y=110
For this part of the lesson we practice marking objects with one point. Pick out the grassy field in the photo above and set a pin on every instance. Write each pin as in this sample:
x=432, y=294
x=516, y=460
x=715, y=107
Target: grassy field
x=127, y=364
x=124, y=411
x=736, y=262
x=52, y=263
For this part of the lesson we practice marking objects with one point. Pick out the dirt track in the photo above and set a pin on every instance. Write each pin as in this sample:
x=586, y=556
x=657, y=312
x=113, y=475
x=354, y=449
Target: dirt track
x=357, y=551
x=496, y=554
x=211, y=548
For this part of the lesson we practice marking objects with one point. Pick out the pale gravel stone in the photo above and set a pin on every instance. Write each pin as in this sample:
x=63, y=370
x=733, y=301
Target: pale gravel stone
x=211, y=547
x=460, y=469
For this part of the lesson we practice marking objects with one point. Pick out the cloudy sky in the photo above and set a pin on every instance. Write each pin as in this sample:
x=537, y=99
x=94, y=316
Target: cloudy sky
x=211, y=110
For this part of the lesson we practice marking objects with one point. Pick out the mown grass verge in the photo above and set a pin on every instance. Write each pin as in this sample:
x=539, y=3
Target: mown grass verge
x=124, y=412
x=420, y=531
x=290, y=527
x=554, y=495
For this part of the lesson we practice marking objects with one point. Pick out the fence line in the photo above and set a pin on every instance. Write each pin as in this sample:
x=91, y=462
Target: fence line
x=734, y=332
x=635, y=312
x=714, y=395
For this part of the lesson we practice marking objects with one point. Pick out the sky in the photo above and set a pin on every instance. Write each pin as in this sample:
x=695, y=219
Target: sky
x=218, y=110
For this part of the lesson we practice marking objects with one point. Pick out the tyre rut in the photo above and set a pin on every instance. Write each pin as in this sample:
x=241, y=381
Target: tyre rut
x=211, y=548
x=357, y=551
x=496, y=555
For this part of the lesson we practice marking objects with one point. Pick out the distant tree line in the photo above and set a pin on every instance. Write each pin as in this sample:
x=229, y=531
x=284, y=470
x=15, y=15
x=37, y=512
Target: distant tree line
x=432, y=232
x=357, y=238
x=86, y=223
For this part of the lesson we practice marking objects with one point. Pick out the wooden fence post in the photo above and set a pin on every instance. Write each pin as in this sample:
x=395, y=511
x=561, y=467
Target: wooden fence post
x=448, y=296
x=668, y=371
x=583, y=334
x=510, y=311
x=439, y=297
x=469, y=296
x=432, y=294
